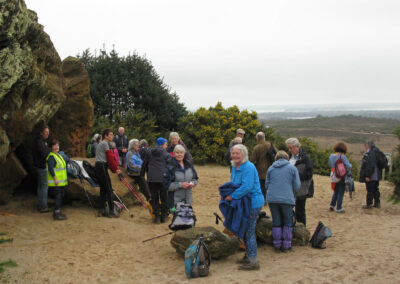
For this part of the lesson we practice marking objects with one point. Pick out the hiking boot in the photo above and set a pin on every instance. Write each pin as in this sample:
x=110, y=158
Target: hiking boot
x=243, y=260
x=331, y=208
x=377, y=205
x=340, y=211
x=45, y=210
x=59, y=216
x=157, y=220
x=249, y=266
x=285, y=250
x=164, y=218
x=367, y=207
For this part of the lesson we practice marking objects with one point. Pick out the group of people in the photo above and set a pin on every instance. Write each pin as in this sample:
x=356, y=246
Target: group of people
x=284, y=183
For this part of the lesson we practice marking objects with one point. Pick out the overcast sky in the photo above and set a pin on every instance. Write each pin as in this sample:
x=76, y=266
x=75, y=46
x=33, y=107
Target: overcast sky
x=246, y=53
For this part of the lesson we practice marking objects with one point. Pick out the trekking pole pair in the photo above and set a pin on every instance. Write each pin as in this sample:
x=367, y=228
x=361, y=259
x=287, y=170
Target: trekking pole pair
x=123, y=204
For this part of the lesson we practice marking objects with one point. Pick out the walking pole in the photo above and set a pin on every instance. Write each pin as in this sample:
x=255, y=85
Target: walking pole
x=156, y=237
x=123, y=204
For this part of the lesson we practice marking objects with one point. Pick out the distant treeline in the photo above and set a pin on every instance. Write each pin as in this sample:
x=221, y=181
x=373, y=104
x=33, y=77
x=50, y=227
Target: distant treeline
x=392, y=114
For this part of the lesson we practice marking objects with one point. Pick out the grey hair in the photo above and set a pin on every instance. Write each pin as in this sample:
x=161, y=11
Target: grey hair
x=143, y=143
x=244, y=151
x=238, y=140
x=281, y=155
x=112, y=145
x=293, y=141
x=260, y=135
x=132, y=144
x=179, y=148
x=370, y=143
x=173, y=134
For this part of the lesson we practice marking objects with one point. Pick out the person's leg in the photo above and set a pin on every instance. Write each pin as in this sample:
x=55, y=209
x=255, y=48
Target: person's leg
x=102, y=183
x=164, y=202
x=287, y=232
x=263, y=190
x=370, y=192
x=42, y=188
x=155, y=201
x=301, y=210
x=340, y=188
x=276, y=225
x=377, y=194
x=334, y=199
x=58, y=198
x=251, y=242
x=170, y=199
x=109, y=193
x=143, y=186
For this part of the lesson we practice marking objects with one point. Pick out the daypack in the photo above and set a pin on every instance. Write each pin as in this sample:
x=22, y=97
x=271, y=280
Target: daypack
x=321, y=233
x=197, y=259
x=271, y=153
x=74, y=170
x=184, y=217
x=340, y=168
x=90, y=171
x=381, y=160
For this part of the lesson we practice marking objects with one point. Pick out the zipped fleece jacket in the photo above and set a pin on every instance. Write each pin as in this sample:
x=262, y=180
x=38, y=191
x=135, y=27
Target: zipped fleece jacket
x=155, y=163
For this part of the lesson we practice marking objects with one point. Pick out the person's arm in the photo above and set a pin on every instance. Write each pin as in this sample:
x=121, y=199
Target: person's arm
x=111, y=161
x=370, y=164
x=51, y=164
x=296, y=180
x=268, y=178
x=346, y=162
x=145, y=165
x=43, y=150
x=195, y=179
x=308, y=173
x=253, y=157
x=247, y=183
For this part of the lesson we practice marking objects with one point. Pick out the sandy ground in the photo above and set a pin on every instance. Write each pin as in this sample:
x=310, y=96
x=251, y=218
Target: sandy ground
x=87, y=249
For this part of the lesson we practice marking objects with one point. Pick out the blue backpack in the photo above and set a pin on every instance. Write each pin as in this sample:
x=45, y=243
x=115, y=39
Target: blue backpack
x=197, y=259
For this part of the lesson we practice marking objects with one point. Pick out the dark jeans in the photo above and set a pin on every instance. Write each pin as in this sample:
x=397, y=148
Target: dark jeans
x=171, y=199
x=158, y=194
x=101, y=171
x=58, y=194
x=337, y=197
x=263, y=189
x=42, y=188
x=282, y=214
x=300, y=209
x=373, y=194
x=143, y=186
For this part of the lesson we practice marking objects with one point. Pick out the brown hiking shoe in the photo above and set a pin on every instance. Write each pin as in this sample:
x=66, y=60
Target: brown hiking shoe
x=243, y=260
x=249, y=266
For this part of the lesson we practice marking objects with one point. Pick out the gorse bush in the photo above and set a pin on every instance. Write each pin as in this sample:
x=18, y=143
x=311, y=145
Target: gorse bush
x=395, y=175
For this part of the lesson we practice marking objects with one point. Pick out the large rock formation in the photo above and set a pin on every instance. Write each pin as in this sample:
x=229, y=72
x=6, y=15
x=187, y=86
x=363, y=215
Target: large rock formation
x=11, y=174
x=31, y=80
x=72, y=123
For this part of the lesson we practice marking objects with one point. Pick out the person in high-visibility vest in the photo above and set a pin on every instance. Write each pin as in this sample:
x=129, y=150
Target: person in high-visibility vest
x=57, y=178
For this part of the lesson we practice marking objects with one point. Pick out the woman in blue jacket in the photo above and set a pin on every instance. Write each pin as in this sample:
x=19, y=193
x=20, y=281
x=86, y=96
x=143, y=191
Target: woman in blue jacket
x=281, y=182
x=245, y=174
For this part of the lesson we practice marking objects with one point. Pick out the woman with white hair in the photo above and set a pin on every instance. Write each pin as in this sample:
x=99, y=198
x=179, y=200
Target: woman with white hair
x=245, y=174
x=175, y=139
x=134, y=165
x=180, y=178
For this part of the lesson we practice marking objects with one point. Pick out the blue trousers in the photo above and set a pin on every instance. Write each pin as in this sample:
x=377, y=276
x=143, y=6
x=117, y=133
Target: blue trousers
x=58, y=195
x=282, y=214
x=250, y=236
x=42, y=188
x=337, y=197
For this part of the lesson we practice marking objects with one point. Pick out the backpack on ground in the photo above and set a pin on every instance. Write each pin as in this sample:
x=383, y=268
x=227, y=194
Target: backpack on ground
x=271, y=153
x=340, y=168
x=90, y=171
x=321, y=233
x=74, y=170
x=381, y=160
x=197, y=259
x=184, y=217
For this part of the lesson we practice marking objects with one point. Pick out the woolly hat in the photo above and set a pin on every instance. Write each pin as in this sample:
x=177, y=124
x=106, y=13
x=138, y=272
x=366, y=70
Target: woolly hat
x=161, y=141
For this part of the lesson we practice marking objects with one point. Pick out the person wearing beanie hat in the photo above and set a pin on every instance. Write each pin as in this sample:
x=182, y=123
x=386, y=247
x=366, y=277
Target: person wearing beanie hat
x=154, y=164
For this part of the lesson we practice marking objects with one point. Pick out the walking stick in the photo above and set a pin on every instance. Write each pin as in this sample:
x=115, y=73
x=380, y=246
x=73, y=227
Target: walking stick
x=157, y=237
x=123, y=204
x=129, y=186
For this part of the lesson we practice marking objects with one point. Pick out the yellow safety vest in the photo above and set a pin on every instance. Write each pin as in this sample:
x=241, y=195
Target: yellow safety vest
x=60, y=170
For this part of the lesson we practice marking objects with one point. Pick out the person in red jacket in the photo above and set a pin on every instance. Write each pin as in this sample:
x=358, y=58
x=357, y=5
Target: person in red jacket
x=104, y=160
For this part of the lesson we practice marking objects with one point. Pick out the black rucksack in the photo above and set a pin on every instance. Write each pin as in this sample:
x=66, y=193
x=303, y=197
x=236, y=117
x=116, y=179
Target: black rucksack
x=381, y=160
x=271, y=153
x=90, y=171
x=184, y=217
x=321, y=233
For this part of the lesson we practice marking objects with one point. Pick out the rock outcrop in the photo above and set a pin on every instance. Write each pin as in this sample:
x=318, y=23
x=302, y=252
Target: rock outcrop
x=72, y=123
x=219, y=245
x=11, y=174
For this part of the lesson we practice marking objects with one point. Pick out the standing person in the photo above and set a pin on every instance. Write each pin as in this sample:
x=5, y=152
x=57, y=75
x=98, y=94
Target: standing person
x=57, y=178
x=134, y=164
x=40, y=151
x=337, y=197
x=143, y=147
x=370, y=174
x=105, y=160
x=239, y=133
x=180, y=177
x=96, y=141
x=281, y=182
x=154, y=164
x=121, y=141
x=259, y=159
x=304, y=165
x=114, y=150
x=244, y=173
x=174, y=140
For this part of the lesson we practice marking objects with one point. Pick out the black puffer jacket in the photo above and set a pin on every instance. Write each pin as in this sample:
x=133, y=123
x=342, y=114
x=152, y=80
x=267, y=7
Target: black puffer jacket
x=368, y=164
x=121, y=141
x=305, y=167
x=155, y=163
x=40, y=151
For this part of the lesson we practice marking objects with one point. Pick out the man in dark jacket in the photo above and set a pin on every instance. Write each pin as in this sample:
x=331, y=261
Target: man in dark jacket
x=154, y=164
x=370, y=174
x=121, y=142
x=305, y=167
x=40, y=151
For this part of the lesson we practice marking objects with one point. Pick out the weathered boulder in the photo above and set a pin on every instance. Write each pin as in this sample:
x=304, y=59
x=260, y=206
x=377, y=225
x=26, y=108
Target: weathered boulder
x=11, y=174
x=219, y=245
x=72, y=123
x=301, y=235
x=31, y=79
